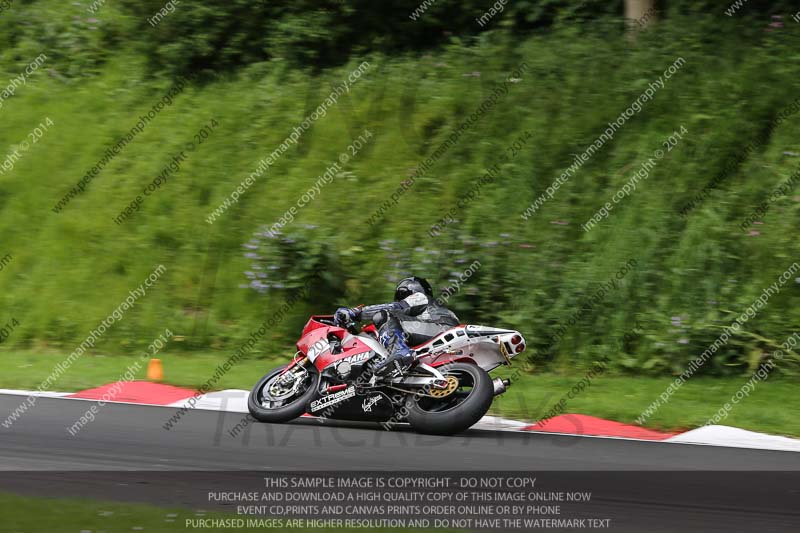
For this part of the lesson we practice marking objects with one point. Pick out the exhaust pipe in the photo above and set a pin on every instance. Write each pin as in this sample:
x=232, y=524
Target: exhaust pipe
x=500, y=386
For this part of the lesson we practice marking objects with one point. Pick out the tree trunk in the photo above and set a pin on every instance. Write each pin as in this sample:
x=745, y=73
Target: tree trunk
x=639, y=13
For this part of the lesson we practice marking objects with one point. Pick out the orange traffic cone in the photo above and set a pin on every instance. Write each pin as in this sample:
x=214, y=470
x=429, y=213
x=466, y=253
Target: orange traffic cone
x=155, y=371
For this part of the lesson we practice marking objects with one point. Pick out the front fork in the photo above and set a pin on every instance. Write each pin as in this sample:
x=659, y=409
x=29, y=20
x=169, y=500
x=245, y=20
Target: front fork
x=299, y=359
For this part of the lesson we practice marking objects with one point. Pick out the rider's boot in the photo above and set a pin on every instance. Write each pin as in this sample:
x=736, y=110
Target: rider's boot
x=400, y=355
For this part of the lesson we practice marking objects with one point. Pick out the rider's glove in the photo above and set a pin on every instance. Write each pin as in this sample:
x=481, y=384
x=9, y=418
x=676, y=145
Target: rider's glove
x=345, y=315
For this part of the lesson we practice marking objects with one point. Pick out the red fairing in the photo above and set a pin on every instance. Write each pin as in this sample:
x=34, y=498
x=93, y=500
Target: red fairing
x=315, y=335
x=313, y=324
x=315, y=331
x=353, y=347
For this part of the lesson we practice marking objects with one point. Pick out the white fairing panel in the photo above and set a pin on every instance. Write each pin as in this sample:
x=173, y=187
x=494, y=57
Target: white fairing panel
x=317, y=349
x=483, y=344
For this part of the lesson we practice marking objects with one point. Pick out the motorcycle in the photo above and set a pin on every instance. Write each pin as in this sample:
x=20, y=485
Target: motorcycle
x=446, y=390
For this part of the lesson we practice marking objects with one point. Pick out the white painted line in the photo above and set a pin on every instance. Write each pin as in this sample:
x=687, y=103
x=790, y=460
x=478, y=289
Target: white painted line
x=736, y=438
x=44, y=394
x=229, y=400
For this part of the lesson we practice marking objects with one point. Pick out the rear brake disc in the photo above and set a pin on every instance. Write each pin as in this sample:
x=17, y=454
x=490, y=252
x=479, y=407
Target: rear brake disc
x=452, y=385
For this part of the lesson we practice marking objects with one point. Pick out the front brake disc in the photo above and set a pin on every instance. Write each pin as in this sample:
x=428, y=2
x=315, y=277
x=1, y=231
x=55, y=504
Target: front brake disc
x=280, y=388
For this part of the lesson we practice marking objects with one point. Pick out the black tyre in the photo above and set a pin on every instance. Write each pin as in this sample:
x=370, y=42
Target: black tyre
x=457, y=411
x=280, y=399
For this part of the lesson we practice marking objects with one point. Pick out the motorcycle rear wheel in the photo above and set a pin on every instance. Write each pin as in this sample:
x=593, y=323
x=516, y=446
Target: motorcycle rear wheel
x=265, y=406
x=457, y=411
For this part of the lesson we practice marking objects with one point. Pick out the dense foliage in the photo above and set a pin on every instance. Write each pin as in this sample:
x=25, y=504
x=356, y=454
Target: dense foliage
x=693, y=274
x=218, y=36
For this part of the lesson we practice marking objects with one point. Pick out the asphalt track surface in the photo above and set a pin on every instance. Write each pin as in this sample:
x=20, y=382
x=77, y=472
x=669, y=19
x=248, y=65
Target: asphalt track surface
x=650, y=486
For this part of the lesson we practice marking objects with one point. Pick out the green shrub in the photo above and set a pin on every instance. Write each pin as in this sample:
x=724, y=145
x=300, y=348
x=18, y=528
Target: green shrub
x=693, y=274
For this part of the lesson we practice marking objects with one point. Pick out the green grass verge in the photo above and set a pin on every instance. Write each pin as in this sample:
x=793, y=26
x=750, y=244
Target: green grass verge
x=693, y=274
x=51, y=514
x=771, y=407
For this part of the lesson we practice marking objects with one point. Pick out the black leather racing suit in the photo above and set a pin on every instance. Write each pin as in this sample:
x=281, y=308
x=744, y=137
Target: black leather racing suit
x=409, y=322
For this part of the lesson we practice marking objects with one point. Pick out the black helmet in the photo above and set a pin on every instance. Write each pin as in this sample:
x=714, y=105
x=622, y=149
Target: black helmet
x=409, y=286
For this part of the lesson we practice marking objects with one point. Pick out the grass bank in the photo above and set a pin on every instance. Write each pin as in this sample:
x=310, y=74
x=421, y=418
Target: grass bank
x=550, y=97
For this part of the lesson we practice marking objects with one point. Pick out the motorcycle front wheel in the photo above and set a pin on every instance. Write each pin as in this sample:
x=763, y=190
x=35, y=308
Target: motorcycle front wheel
x=279, y=397
x=467, y=400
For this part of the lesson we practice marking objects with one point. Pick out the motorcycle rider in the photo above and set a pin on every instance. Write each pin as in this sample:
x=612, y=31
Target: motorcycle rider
x=414, y=313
